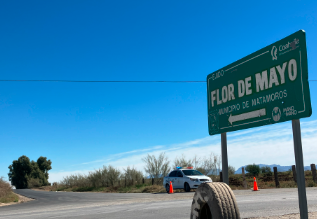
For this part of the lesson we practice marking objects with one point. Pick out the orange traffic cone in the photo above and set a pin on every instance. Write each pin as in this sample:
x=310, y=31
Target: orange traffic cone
x=255, y=185
x=171, y=188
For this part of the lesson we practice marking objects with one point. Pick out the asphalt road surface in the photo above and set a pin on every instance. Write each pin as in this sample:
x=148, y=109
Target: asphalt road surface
x=70, y=205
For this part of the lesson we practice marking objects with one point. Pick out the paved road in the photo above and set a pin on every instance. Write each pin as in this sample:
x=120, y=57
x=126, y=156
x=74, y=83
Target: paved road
x=155, y=206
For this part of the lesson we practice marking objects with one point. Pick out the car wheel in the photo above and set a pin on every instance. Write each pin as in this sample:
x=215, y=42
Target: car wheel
x=167, y=187
x=186, y=187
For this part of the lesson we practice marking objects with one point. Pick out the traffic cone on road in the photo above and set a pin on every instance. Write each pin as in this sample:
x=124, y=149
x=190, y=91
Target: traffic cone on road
x=171, y=188
x=255, y=185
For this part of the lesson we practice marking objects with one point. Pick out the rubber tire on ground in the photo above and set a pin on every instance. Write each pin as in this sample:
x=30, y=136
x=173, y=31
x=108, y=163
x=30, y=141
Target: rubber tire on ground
x=167, y=187
x=214, y=200
x=186, y=187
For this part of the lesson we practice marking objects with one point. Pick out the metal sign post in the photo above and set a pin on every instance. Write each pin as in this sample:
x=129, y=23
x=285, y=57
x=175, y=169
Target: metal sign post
x=266, y=87
x=299, y=161
x=224, y=158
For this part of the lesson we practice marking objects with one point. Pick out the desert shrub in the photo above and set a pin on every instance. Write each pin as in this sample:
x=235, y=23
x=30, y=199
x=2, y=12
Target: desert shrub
x=266, y=169
x=114, y=176
x=267, y=176
x=310, y=183
x=95, y=178
x=5, y=188
x=34, y=182
x=231, y=170
x=73, y=180
x=132, y=176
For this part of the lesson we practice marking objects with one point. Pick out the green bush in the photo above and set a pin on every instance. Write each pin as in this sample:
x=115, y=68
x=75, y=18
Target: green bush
x=253, y=169
x=266, y=169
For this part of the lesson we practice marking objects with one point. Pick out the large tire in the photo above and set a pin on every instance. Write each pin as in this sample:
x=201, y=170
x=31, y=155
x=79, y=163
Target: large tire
x=186, y=187
x=214, y=201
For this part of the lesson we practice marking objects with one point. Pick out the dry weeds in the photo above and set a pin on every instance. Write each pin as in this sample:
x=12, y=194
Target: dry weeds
x=5, y=188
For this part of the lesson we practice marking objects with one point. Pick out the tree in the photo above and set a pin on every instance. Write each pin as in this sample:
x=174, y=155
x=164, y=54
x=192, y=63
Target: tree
x=231, y=170
x=182, y=162
x=210, y=164
x=44, y=165
x=253, y=169
x=19, y=172
x=24, y=173
x=156, y=167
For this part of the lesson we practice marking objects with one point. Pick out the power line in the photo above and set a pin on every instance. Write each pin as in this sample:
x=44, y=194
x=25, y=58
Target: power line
x=74, y=81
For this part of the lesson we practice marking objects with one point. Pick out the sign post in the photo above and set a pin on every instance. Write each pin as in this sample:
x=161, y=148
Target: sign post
x=266, y=87
x=298, y=151
x=224, y=158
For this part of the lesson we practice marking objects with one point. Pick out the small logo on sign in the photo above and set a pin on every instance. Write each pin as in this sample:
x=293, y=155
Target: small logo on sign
x=274, y=53
x=276, y=114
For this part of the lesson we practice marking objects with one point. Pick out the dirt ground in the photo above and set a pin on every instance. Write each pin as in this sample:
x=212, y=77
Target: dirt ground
x=22, y=199
x=311, y=215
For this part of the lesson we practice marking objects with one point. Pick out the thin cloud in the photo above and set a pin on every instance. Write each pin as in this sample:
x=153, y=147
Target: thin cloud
x=267, y=145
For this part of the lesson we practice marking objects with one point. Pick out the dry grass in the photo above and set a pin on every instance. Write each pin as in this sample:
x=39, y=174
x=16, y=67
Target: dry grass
x=6, y=194
x=5, y=188
x=142, y=188
x=285, y=180
x=235, y=181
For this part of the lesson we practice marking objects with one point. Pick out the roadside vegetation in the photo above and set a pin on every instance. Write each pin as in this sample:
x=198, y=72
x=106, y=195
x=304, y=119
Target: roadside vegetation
x=131, y=180
x=6, y=194
x=29, y=174
x=266, y=180
x=111, y=179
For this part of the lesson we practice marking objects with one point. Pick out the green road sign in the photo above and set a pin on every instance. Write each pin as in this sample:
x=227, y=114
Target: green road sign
x=266, y=87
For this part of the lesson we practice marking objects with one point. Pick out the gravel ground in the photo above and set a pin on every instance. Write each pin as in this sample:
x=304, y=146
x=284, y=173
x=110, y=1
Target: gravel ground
x=311, y=215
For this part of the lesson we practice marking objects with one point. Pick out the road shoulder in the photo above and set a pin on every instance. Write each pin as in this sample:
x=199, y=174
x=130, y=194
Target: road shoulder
x=22, y=199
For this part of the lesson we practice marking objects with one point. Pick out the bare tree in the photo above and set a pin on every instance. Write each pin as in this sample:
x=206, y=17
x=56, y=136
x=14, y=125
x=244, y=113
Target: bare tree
x=157, y=167
x=196, y=162
x=210, y=164
x=183, y=162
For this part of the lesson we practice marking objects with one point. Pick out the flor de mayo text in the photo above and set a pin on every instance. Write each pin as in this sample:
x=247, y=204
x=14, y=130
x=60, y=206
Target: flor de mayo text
x=266, y=87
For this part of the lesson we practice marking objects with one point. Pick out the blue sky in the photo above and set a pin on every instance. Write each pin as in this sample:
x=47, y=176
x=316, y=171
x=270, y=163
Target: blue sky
x=82, y=126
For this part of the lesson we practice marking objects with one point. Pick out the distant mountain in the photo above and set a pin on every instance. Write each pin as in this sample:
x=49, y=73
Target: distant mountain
x=279, y=168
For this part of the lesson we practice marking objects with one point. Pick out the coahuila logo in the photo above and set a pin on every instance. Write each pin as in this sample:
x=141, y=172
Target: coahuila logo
x=288, y=46
x=274, y=53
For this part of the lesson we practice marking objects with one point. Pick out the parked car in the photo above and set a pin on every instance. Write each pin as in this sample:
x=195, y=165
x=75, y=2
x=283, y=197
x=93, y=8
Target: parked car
x=185, y=178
